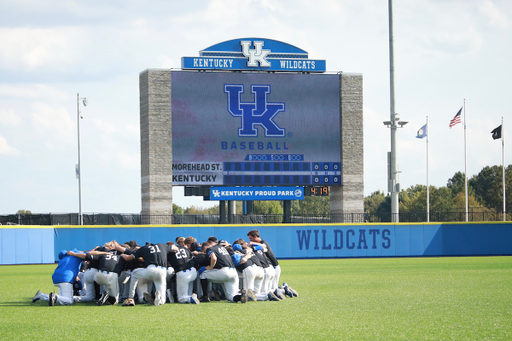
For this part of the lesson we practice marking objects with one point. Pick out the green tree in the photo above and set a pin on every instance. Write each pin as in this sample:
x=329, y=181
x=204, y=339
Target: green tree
x=176, y=209
x=312, y=206
x=268, y=207
x=488, y=185
x=24, y=212
x=413, y=199
x=201, y=210
x=372, y=202
x=384, y=210
x=441, y=199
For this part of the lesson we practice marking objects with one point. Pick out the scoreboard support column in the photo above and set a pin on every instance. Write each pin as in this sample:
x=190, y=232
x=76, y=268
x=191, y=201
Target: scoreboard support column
x=349, y=197
x=156, y=146
x=231, y=211
x=222, y=212
x=287, y=211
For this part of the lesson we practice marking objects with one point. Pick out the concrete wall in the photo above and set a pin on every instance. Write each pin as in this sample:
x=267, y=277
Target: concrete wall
x=349, y=198
x=36, y=245
x=156, y=143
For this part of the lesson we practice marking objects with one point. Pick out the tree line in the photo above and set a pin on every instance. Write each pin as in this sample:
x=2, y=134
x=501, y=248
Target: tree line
x=447, y=203
x=485, y=197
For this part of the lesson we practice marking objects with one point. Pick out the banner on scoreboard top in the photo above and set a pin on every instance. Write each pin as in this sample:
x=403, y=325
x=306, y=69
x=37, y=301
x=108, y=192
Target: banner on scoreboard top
x=253, y=54
x=257, y=193
x=233, y=63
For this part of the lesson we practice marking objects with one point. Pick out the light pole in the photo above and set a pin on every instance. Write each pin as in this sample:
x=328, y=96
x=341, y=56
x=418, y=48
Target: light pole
x=79, y=116
x=394, y=124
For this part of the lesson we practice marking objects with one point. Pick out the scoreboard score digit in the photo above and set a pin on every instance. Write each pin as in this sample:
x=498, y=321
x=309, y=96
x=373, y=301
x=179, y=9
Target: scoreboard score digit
x=316, y=191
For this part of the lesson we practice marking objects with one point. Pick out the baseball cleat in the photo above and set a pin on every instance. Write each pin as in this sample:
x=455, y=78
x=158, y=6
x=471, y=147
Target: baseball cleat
x=103, y=298
x=112, y=300
x=251, y=296
x=292, y=291
x=37, y=296
x=169, y=296
x=148, y=299
x=243, y=299
x=52, y=299
x=158, y=298
x=287, y=292
x=193, y=299
x=272, y=297
x=204, y=299
x=215, y=295
x=129, y=302
x=279, y=294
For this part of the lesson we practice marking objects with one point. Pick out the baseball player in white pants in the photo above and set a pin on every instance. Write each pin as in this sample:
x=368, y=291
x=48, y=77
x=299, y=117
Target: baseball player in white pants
x=155, y=260
x=64, y=297
x=185, y=284
x=227, y=277
x=90, y=291
x=156, y=274
x=110, y=280
x=222, y=270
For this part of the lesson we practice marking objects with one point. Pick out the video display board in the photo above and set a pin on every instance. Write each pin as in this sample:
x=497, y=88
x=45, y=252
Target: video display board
x=255, y=129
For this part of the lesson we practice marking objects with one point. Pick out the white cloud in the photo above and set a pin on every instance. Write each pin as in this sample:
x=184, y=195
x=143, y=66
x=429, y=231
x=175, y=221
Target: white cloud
x=104, y=127
x=28, y=92
x=9, y=118
x=32, y=48
x=129, y=161
x=52, y=123
x=5, y=149
x=496, y=17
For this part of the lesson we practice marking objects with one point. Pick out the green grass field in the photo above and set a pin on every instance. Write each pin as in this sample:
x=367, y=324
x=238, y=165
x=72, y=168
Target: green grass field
x=466, y=298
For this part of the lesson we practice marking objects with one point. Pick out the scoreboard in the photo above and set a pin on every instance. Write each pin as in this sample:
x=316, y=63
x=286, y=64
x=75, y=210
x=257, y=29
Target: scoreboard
x=255, y=129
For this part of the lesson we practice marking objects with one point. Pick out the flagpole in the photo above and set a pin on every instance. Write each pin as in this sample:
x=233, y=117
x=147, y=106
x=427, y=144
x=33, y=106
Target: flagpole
x=465, y=165
x=503, y=167
x=428, y=189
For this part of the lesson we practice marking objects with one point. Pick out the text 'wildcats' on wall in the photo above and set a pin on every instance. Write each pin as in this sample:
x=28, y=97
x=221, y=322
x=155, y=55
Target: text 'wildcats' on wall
x=339, y=239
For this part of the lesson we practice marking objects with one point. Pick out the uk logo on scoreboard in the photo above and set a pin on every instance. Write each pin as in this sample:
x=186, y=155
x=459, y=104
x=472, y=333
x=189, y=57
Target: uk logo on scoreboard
x=259, y=113
x=253, y=54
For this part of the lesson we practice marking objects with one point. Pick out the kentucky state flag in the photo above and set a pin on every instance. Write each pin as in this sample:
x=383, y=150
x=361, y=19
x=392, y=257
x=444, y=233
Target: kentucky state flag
x=422, y=132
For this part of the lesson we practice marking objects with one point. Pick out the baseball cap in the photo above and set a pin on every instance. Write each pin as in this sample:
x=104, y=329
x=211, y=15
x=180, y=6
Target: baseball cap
x=237, y=247
x=62, y=254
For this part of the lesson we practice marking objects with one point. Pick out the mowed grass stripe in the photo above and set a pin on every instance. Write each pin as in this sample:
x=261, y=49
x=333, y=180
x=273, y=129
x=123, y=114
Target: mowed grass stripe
x=466, y=298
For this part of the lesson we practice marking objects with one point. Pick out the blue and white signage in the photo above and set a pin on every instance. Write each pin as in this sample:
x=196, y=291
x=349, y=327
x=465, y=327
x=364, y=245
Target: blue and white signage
x=257, y=193
x=253, y=54
x=255, y=128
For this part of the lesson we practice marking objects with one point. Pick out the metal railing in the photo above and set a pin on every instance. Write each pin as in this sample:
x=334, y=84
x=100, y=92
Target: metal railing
x=209, y=219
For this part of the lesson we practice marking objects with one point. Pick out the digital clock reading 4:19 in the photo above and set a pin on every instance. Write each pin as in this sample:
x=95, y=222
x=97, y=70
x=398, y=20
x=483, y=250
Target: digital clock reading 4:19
x=316, y=191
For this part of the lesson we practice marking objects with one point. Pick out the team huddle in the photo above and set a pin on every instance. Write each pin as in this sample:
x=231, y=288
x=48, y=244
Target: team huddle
x=184, y=272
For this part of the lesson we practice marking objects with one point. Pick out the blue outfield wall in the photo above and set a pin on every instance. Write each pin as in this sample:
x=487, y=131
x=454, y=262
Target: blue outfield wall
x=37, y=245
x=27, y=245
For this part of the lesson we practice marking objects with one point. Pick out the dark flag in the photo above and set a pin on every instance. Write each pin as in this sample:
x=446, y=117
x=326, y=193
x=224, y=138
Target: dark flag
x=496, y=133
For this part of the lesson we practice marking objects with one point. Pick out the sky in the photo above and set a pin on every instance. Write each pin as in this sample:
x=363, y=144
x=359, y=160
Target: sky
x=446, y=52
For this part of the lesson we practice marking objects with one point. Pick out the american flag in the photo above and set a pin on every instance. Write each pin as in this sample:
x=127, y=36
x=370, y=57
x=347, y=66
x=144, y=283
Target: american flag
x=455, y=119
